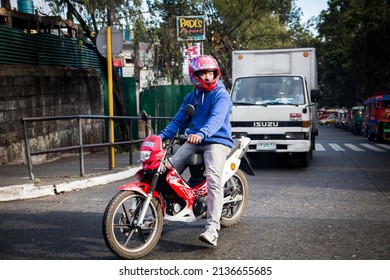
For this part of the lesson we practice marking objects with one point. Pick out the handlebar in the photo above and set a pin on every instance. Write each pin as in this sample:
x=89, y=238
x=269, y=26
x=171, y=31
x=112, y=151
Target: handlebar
x=177, y=139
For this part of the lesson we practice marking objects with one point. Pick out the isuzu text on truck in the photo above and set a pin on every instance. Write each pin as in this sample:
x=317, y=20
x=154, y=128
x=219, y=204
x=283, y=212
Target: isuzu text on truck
x=274, y=94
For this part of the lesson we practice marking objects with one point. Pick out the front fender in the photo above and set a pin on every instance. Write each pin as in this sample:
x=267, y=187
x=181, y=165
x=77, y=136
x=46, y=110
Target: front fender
x=136, y=186
x=141, y=188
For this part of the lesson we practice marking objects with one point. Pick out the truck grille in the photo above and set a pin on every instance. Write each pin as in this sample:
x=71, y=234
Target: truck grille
x=278, y=147
x=267, y=136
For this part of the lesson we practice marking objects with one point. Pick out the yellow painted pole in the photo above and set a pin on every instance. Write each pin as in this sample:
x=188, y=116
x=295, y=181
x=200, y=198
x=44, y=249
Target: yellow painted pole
x=110, y=97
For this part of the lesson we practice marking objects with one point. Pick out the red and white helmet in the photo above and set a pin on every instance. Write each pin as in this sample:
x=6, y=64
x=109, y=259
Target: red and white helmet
x=204, y=63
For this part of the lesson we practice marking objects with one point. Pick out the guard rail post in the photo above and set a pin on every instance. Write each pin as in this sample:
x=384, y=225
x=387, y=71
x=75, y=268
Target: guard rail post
x=131, y=161
x=81, y=150
x=27, y=149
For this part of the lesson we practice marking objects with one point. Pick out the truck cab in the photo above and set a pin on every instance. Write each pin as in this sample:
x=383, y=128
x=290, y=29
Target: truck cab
x=274, y=112
x=274, y=103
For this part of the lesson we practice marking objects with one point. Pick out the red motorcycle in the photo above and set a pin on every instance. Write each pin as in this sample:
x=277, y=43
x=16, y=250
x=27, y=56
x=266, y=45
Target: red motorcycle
x=134, y=218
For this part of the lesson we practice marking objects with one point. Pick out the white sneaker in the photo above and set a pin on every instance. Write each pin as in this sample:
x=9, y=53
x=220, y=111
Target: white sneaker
x=209, y=237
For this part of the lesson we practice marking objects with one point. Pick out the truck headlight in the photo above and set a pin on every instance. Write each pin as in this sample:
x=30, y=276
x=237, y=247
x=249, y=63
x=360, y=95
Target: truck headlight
x=238, y=135
x=145, y=155
x=295, y=135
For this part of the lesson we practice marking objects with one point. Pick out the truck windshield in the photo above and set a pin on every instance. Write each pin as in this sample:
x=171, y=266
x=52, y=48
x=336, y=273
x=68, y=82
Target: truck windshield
x=264, y=90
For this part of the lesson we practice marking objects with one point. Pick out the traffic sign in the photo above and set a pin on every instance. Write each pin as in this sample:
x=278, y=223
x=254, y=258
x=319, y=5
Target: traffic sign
x=116, y=41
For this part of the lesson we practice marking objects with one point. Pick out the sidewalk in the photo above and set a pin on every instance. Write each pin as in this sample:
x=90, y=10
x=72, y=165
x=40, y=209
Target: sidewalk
x=63, y=175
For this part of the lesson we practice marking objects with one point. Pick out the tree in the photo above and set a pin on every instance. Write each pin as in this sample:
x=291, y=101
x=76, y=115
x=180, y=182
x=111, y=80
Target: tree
x=230, y=25
x=169, y=58
x=254, y=24
x=354, y=38
x=91, y=16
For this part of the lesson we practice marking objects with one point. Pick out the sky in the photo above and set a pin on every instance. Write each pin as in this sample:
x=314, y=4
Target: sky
x=311, y=8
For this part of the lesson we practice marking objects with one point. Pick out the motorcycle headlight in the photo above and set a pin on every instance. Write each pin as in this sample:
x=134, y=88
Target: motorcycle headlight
x=145, y=155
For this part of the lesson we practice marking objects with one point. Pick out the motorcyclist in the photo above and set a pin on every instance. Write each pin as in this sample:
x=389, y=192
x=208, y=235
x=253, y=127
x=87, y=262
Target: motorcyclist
x=209, y=132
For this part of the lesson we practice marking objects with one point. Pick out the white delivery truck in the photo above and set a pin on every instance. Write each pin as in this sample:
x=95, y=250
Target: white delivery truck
x=274, y=98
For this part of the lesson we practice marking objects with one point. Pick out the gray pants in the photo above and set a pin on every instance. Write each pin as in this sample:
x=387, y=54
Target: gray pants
x=214, y=156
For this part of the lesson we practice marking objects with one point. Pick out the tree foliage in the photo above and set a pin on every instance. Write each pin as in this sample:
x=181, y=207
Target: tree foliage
x=230, y=25
x=354, y=50
x=91, y=16
x=352, y=40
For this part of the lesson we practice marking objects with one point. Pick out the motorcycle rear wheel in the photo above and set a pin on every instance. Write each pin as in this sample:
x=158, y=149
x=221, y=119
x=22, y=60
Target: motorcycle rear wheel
x=232, y=212
x=121, y=234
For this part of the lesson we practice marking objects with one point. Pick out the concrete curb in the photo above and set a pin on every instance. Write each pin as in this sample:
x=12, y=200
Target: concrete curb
x=28, y=191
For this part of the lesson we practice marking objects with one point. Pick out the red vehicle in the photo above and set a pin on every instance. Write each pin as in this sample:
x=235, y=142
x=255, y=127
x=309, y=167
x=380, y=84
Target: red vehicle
x=135, y=216
x=378, y=116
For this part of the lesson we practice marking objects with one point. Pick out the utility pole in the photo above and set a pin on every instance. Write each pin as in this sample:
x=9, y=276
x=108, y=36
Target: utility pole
x=110, y=10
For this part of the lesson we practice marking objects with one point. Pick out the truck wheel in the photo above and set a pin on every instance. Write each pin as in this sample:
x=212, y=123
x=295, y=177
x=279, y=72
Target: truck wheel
x=304, y=159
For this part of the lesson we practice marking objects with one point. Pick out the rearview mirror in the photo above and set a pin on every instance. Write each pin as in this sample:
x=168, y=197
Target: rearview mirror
x=315, y=95
x=189, y=110
x=144, y=116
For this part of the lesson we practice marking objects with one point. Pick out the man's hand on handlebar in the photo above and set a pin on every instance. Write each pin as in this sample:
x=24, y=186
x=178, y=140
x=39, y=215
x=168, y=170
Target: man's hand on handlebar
x=194, y=139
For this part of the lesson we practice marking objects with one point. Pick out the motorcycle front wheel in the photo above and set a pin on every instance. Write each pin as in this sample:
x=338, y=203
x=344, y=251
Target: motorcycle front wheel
x=237, y=189
x=121, y=233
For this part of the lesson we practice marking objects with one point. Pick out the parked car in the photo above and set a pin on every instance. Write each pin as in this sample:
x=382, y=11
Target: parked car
x=328, y=121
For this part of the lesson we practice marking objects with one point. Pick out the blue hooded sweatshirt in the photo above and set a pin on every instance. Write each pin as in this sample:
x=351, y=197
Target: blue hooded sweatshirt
x=211, y=119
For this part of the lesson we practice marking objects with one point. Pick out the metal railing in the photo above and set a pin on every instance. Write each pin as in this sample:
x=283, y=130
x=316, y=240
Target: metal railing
x=156, y=122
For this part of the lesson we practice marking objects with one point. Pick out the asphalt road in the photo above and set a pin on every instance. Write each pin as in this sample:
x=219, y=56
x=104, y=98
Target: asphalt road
x=336, y=209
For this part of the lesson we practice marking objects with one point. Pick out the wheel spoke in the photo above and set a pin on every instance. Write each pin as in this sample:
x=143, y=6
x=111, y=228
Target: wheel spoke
x=229, y=211
x=141, y=234
x=129, y=237
x=135, y=228
x=126, y=212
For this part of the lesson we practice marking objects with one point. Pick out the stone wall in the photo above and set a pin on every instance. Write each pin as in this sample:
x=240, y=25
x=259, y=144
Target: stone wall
x=43, y=91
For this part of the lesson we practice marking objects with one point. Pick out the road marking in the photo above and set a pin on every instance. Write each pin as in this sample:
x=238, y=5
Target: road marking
x=336, y=147
x=371, y=147
x=320, y=148
x=384, y=146
x=353, y=147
